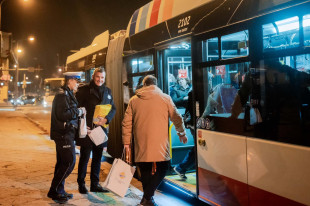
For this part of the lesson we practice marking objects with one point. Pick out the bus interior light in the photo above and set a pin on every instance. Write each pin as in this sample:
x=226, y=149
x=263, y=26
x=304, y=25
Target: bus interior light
x=288, y=24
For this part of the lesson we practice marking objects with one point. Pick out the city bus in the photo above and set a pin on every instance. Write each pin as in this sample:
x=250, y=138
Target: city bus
x=247, y=65
x=51, y=86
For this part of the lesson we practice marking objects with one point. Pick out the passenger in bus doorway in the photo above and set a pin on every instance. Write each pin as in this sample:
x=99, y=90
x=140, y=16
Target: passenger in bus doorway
x=189, y=160
x=179, y=92
x=147, y=117
x=64, y=124
x=90, y=95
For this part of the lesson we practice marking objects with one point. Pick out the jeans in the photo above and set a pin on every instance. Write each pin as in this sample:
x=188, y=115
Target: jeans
x=95, y=164
x=187, y=163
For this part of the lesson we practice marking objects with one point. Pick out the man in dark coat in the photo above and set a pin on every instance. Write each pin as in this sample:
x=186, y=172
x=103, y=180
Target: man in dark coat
x=88, y=96
x=64, y=124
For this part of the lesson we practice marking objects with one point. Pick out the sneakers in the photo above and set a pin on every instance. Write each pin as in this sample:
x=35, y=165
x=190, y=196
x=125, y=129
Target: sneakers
x=68, y=195
x=182, y=175
x=97, y=188
x=83, y=189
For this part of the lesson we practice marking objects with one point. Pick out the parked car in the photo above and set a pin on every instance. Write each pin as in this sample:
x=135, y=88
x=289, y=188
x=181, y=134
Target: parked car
x=24, y=99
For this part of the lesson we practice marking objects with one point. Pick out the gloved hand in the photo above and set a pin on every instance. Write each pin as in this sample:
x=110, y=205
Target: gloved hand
x=82, y=111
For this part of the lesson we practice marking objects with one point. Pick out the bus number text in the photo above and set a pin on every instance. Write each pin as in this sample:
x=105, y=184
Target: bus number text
x=184, y=22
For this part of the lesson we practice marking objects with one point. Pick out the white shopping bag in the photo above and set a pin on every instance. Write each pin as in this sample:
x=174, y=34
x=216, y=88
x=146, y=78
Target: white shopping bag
x=119, y=177
x=98, y=136
x=83, y=127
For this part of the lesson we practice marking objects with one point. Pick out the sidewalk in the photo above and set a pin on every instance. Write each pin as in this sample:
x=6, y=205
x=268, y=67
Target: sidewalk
x=27, y=164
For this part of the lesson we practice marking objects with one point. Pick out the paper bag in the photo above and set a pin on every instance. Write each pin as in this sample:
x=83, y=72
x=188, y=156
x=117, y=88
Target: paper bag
x=83, y=127
x=98, y=136
x=101, y=111
x=119, y=177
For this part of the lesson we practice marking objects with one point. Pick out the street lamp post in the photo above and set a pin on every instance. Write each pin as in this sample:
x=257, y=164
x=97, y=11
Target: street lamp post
x=17, y=65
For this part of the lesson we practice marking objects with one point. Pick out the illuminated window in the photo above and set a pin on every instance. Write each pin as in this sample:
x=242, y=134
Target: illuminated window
x=235, y=45
x=210, y=50
x=282, y=34
x=306, y=25
x=142, y=64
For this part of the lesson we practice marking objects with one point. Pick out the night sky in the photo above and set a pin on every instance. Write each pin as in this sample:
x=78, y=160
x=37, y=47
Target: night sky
x=62, y=25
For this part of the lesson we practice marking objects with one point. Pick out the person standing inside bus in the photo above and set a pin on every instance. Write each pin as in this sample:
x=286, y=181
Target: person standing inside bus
x=147, y=117
x=179, y=92
x=88, y=96
x=64, y=124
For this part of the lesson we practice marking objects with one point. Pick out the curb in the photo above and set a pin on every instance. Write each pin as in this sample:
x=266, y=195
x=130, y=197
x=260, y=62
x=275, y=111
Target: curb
x=37, y=124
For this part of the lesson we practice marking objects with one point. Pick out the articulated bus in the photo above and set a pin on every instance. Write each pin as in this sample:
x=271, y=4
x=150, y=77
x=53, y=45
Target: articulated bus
x=248, y=65
x=51, y=86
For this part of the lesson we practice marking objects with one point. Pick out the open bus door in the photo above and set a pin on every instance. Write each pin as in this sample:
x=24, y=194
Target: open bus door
x=175, y=79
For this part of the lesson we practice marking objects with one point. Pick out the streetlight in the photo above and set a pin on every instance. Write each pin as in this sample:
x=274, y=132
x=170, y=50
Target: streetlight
x=19, y=51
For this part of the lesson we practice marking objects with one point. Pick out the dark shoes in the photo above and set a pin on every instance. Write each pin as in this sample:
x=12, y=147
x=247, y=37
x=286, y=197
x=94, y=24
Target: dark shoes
x=150, y=202
x=83, y=189
x=59, y=198
x=97, y=188
x=68, y=195
x=182, y=175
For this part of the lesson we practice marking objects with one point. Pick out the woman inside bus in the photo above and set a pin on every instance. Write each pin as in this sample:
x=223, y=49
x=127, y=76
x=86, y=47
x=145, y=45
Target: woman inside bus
x=179, y=92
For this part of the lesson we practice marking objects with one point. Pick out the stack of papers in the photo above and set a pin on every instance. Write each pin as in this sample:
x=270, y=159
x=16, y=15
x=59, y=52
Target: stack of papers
x=98, y=136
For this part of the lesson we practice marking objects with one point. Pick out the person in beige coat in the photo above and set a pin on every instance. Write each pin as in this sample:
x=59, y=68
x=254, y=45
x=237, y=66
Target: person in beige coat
x=147, y=117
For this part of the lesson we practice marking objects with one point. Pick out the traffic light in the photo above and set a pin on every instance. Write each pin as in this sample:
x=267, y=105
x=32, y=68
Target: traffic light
x=1, y=73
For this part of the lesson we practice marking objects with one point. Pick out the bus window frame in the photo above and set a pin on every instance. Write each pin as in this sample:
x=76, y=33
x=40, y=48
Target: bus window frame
x=130, y=75
x=256, y=52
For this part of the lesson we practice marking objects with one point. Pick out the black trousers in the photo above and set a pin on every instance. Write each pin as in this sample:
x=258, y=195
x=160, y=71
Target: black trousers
x=95, y=164
x=151, y=182
x=65, y=152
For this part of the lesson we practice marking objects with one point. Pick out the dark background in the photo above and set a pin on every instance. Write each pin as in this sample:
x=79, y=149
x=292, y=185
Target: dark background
x=62, y=25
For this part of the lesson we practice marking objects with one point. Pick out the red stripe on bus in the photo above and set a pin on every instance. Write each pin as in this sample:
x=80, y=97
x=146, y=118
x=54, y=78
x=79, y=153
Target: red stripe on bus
x=221, y=190
x=154, y=14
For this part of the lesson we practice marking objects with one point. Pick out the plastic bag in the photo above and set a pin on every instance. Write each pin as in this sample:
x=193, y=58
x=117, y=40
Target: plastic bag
x=83, y=127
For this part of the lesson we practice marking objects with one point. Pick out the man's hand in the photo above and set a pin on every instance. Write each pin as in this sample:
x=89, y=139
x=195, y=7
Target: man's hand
x=88, y=130
x=183, y=137
x=102, y=121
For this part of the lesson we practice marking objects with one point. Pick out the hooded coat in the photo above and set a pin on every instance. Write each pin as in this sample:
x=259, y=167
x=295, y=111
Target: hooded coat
x=147, y=117
x=89, y=96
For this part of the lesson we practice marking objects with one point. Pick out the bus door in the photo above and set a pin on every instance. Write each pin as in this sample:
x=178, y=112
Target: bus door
x=175, y=78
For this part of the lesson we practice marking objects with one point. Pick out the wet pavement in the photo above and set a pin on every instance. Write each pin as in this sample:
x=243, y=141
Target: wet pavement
x=27, y=163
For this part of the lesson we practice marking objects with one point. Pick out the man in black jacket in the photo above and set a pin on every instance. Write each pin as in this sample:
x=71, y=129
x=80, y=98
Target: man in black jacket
x=88, y=96
x=64, y=124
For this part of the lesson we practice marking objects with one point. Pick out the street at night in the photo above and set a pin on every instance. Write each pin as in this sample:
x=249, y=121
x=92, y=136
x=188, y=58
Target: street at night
x=27, y=163
x=155, y=102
